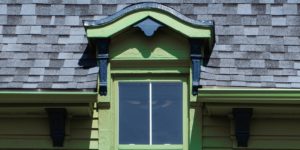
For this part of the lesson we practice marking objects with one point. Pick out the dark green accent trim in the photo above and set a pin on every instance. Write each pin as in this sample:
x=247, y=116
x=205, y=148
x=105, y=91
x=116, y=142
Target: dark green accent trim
x=149, y=26
x=57, y=123
x=196, y=58
x=102, y=45
x=242, y=119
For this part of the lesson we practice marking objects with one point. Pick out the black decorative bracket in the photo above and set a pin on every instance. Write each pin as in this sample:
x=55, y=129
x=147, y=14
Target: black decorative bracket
x=148, y=26
x=242, y=118
x=196, y=58
x=57, y=122
x=102, y=46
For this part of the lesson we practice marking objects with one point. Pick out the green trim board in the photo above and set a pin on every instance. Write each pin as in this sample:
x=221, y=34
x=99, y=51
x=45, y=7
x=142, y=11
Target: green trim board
x=184, y=146
x=131, y=19
x=248, y=95
x=47, y=97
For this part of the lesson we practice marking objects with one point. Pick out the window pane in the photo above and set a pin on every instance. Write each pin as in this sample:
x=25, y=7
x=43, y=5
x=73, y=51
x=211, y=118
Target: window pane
x=167, y=113
x=133, y=113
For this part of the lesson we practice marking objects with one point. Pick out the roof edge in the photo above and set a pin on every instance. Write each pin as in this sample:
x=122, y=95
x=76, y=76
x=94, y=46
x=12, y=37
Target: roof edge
x=147, y=6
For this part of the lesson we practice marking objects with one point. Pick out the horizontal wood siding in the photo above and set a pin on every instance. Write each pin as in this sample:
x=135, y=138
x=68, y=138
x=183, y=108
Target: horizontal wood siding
x=216, y=133
x=279, y=134
x=33, y=132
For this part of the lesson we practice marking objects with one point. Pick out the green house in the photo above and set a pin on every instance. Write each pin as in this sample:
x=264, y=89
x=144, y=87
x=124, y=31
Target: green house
x=172, y=75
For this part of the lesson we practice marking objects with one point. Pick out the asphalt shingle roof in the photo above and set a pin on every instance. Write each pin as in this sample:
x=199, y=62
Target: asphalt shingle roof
x=42, y=42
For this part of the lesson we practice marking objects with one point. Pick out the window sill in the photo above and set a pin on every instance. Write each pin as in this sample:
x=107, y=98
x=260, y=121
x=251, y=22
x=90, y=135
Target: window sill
x=150, y=147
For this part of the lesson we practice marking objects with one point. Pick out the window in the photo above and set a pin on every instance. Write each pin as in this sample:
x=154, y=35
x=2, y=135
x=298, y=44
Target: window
x=150, y=113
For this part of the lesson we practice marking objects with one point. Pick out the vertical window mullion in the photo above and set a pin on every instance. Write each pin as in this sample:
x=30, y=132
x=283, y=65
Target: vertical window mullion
x=150, y=113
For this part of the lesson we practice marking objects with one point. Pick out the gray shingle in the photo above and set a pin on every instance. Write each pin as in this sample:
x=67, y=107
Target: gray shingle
x=43, y=20
x=15, y=85
x=234, y=19
x=72, y=20
x=22, y=29
x=57, y=9
x=67, y=71
x=257, y=41
x=29, y=20
x=30, y=85
x=293, y=48
x=244, y=9
x=9, y=30
x=14, y=20
x=9, y=39
x=293, y=31
x=24, y=39
x=6, y=78
x=13, y=9
x=215, y=8
x=278, y=21
x=277, y=9
x=286, y=64
x=290, y=9
x=71, y=63
x=8, y=71
x=43, y=9
x=35, y=30
x=95, y=9
x=187, y=8
x=35, y=78
x=59, y=20
x=36, y=71
x=263, y=20
x=200, y=9
x=258, y=9
x=293, y=20
x=28, y=9
x=250, y=30
x=3, y=9
x=41, y=63
x=65, y=78
x=3, y=20
x=19, y=78
x=257, y=63
x=109, y=9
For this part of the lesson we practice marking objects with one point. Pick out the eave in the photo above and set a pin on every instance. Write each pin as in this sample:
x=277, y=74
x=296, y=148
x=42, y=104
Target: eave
x=249, y=95
x=47, y=97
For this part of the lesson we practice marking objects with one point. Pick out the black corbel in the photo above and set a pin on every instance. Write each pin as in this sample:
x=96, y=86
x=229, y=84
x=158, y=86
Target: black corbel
x=242, y=119
x=196, y=58
x=148, y=26
x=57, y=122
x=102, y=46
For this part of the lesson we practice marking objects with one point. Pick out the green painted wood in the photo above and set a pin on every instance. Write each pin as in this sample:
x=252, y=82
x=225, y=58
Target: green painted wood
x=260, y=110
x=274, y=96
x=211, y=131
x=275, y=127
x=45, y=143
x=273, y=144
x=217, y=142
x=216, y=132
x=113, y=123
x=47, y=97
x=133, y=45
x=125, y=22
x=195, y=128
x=152, y=147
x=31, y=131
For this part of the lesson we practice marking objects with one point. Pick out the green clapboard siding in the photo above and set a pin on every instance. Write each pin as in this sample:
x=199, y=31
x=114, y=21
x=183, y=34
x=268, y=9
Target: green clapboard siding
x=216, y=133
x=32, y=132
